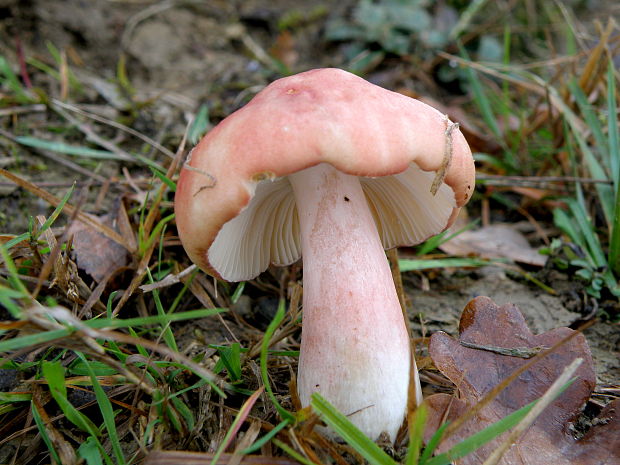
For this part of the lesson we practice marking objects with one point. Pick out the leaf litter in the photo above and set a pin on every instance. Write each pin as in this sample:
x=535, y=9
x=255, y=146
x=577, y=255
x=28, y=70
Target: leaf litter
x=554, y=437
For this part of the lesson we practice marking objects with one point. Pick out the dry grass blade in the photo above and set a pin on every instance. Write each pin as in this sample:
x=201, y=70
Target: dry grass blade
x=169, y=280
x=57, y=158
x=250, y=435
x=94, y=137
x=237, y=423
x=115, y=124
x=415, y=388
x=594, y=70
x=68, y=209
x=35, y=108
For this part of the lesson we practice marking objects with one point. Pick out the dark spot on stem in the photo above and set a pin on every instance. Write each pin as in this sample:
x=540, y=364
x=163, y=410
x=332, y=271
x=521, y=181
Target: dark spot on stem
x=346, y=199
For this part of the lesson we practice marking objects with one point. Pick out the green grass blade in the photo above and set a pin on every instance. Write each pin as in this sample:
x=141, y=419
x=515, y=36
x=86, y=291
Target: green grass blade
x=81, y=367
x=265, y=439
x=41, y=66
x=43, y=432
x=150, y=163
x=16, y=240
x=155, y=234
x=67, y=149
x=238, y=292
x=506, y=61
x=168, y=335
x=563, y=221
x=89, y=451
x=56, y=54
x=434, y=242
x=56, y=213
x=293, y=453
x=163, y=178
x=139, y=347
x=493, y=161
x=186, y=413
x=34, y=339
x=114, y=323
x=8, y=297
x=349, y=432
x=13, y=274
x=614, y=163
x=466, y=17
x=48, y=336
x=590, y=117
x=482, y=437
x=423, y=264
x=106, y=411
x=199, y=125
x=277, y=319
x=54, y=374
x=122, y=78
x=483, y=103
x=597, y=171
x=231, y=359
x=8, y=77
x=15, y=397
x=416, y=435
x=432, y=444
x=582, y=219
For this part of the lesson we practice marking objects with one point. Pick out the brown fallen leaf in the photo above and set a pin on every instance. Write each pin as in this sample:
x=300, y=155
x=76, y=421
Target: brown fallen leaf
x=552, y=439
x=494, y=241
x=95, y=253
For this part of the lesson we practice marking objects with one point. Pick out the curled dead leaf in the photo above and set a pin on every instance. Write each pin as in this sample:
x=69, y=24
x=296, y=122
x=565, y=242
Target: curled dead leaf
x=494, y=241
x=553, y=438
x=96, y=254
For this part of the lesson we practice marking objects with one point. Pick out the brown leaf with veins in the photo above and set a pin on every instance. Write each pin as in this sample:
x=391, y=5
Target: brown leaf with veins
x=96, y=254
x=551, y=439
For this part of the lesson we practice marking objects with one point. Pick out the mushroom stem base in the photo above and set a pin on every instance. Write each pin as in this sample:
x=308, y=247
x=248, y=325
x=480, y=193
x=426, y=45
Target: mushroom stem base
x=355, y=348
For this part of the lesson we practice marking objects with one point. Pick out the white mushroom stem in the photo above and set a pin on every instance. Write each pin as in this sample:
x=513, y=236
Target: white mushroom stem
x=355, y=347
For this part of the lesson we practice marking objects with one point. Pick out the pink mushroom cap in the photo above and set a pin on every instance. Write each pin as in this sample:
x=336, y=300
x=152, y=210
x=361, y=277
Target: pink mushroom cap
x=319, y=116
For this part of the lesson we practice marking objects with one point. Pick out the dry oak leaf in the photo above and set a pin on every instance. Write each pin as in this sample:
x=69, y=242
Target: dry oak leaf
x=551, y=439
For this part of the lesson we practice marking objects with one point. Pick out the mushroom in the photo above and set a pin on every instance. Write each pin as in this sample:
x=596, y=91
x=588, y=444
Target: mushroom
x=329, y=167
